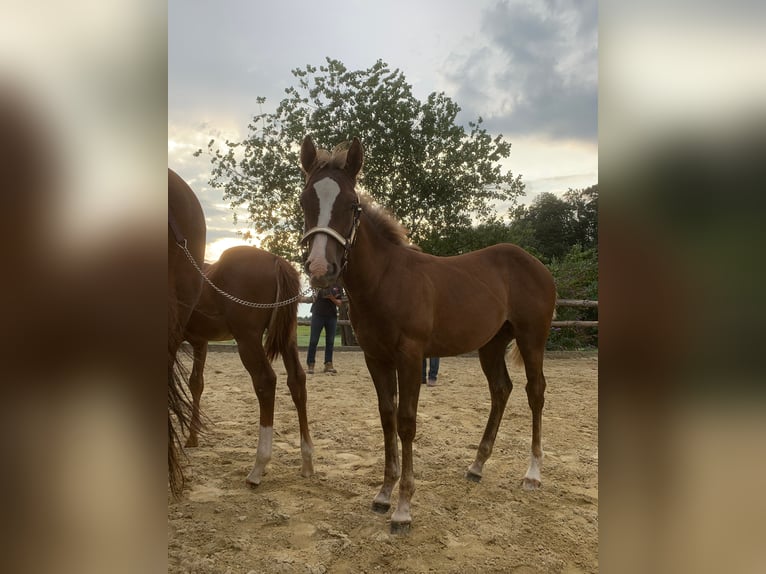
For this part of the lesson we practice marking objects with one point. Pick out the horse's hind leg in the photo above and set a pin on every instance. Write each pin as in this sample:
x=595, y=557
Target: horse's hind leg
x=264, y=382
x=196, y=386
x=492, y=358
x=532, y=351
x=296, y=382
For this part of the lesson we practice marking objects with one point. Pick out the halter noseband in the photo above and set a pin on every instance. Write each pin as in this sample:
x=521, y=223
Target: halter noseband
x=346, y=242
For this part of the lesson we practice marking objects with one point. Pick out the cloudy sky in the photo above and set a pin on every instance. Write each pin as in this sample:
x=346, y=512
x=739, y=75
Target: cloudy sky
x=528, y=67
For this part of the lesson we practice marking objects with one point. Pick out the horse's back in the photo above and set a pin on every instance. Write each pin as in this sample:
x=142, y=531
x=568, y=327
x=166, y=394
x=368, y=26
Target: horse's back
x=506, y=272
x=531, y=288
x=525, y=268
x=186, y=224
x=502, y=263
x=250, y=274
x=247, y=269
x=186, y=212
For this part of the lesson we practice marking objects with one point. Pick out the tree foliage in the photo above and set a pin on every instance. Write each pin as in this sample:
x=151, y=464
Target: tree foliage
x=576, y=275
x=434, y=175
x=548, y=228
x=563, y=233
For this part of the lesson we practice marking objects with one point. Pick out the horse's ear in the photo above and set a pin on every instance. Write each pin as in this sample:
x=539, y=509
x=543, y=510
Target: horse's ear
x=308, y=154
x=354, y=158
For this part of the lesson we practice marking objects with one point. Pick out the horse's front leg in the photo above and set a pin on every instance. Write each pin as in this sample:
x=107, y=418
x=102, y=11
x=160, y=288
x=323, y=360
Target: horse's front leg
x=409, y=390
x=384, y=377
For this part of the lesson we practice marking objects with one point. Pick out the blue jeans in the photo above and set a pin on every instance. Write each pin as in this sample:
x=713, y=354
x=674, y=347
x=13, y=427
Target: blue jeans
x=433, y=368
x=319, y=322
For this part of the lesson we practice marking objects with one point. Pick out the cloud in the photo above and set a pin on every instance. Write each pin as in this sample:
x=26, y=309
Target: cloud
x=535, y=71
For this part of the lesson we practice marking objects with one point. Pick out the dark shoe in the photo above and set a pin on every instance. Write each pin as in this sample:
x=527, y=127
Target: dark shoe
x=310, y=370
x=328, y=368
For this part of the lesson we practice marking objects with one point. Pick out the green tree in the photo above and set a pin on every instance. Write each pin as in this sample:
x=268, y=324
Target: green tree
x=584, y=214
x=576, y=276
x=546, y=225
x=462, y=240
x=434, y=175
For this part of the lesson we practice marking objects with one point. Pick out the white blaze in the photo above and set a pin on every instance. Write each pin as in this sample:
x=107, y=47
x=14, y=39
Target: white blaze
x=327, y=191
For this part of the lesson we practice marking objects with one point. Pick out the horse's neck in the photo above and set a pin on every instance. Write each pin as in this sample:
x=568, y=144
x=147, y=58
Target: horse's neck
x=368, y=263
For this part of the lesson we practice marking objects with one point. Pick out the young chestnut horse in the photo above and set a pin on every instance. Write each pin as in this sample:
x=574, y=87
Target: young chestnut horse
x=253, y=275
x=186, y=224
x=406, y=305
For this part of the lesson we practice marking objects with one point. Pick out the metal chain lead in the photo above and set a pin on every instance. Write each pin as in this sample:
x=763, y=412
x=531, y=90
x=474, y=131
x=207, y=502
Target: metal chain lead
x=237, y=299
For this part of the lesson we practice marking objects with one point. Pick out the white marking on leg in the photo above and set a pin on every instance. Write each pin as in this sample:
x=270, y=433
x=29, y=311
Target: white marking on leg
x=327, y=191
x=307, y=453
x=533, y=478
x=262, y=456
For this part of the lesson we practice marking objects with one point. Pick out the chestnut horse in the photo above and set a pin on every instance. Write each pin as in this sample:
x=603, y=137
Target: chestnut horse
x=186, y=227
x=406, y=305
x=252, y=275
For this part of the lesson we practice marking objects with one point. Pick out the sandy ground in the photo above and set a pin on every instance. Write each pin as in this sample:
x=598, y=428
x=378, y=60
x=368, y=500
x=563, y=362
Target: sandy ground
x=324, y=523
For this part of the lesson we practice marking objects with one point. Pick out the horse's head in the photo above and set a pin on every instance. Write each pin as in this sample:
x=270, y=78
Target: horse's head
x=330, y=208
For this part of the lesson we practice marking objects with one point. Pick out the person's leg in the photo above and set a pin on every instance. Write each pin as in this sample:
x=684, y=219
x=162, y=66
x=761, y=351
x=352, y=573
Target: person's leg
x=330, y=325
x=433, y=368
x=423, y=377
x=316, y=330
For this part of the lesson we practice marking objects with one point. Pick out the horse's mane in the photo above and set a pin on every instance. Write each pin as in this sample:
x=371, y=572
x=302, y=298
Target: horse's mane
x=385, y=223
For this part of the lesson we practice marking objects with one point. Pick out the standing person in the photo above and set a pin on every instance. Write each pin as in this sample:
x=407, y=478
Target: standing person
x=324, y=315
x=433, y=371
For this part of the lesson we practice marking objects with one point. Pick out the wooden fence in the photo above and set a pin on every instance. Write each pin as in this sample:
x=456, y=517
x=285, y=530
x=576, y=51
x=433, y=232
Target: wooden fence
x=347, y=334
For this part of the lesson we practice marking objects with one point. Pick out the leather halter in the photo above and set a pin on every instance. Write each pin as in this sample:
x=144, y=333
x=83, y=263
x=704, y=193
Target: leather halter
x=346, y=242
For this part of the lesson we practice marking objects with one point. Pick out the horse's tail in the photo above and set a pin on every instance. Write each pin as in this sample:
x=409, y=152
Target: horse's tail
x=179, y=407
x=284, y=319
x=516, y=357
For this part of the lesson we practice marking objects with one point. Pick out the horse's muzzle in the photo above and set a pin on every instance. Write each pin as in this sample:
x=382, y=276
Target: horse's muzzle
x=322, y=278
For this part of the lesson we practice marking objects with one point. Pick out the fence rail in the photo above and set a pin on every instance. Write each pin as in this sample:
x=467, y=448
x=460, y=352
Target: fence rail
x=559, y=303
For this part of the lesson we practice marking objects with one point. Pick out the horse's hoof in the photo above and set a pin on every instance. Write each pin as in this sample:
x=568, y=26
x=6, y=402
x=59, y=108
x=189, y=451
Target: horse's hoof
x=252, y=484
x=473, y=477
x=307, y=471
x=380, y=507
x=531, y=484
x=400, y=528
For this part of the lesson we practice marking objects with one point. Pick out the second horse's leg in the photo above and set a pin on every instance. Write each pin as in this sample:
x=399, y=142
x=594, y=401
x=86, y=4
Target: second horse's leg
x=264, y=382
x=296, y=382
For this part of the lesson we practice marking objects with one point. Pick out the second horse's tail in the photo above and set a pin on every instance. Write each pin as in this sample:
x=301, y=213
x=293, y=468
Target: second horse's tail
x=284, y=319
